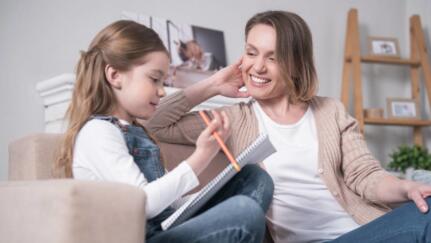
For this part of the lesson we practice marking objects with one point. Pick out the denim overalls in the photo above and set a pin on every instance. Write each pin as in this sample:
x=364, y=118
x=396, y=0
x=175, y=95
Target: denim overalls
x=146, y=155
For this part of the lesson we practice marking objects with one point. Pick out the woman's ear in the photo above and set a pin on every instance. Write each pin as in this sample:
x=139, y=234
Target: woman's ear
x=113, y=76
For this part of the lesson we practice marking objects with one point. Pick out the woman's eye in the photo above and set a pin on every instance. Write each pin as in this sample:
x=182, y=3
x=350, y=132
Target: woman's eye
x=251, y=54
x=272, y=59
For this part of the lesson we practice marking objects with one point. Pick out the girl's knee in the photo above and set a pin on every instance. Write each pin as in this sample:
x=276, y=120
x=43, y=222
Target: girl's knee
x=249, y=211
x=260, y=185
x=259, y=175
x=267, y=180
x=240, y=220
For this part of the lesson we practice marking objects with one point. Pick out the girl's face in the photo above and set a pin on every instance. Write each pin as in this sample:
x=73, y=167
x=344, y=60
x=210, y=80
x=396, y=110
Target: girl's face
x=141, y=87
x=260, y=70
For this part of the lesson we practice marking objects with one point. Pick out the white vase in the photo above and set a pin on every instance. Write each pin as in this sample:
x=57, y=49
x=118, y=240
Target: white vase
x=409, y=173
x=423, y=176
x=397, y=174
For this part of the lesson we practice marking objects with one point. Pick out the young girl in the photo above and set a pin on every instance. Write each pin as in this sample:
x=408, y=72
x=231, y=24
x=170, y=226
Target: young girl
x=119, y=80
x=328, y=186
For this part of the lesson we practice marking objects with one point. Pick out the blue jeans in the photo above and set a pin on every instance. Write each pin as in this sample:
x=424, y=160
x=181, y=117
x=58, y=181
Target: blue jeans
x=235, y=214
x=403, y=224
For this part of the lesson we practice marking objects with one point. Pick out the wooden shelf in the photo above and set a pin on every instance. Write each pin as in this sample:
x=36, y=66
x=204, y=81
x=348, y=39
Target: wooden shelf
x=387, y=60
x=397, y=122
x=352, y=74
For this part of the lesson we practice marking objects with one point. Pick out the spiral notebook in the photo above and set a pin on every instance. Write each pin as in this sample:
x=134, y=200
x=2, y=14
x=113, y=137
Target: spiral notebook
x=254, y=153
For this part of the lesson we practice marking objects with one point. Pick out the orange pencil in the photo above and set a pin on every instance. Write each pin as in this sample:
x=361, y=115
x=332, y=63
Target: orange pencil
x=221, y=143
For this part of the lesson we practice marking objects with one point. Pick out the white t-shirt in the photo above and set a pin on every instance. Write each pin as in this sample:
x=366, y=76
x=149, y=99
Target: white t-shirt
x=303, y=209
x=101, y=154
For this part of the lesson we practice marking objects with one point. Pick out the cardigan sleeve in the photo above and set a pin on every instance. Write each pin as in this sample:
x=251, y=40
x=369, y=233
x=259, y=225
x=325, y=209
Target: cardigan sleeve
x=362, y=172
x=173, y=123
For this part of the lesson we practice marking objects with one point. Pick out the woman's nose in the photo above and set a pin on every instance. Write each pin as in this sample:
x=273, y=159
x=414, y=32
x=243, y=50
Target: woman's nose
x=259, y=65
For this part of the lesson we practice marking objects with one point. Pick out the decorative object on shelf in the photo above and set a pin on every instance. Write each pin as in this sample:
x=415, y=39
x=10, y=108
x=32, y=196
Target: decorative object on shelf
x=383, y=46
x=415, y=156
x=402, y=108
x=56, y=93
x=373, y=113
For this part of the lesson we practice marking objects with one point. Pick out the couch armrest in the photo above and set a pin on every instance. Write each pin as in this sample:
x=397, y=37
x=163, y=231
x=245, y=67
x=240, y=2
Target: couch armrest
x=71, y=211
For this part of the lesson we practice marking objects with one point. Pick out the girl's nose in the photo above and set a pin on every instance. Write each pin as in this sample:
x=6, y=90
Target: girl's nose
x=161, y=91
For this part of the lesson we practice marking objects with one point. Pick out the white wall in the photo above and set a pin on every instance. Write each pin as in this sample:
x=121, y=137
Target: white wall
x=42, y=39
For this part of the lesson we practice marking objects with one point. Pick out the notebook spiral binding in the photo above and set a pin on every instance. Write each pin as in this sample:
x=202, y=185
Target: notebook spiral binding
x=254, y=153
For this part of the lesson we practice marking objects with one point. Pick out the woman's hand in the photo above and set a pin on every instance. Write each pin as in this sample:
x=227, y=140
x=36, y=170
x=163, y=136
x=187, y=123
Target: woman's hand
x=417, y=192
x=206, y=145
x=228, y=81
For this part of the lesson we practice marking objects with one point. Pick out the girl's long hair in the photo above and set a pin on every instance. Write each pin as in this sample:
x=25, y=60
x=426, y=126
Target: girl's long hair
x=121, y=44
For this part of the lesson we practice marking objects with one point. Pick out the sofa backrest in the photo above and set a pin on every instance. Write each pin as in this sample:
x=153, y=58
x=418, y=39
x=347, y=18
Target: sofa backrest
x=32, y=157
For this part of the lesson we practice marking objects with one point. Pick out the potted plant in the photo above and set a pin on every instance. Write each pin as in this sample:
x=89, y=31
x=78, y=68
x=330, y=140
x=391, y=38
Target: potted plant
x=411, y=158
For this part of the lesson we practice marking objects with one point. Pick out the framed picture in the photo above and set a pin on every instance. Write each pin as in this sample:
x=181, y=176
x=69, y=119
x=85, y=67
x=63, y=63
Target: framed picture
x=402, y=108
x=383, y=46
x=195, y=52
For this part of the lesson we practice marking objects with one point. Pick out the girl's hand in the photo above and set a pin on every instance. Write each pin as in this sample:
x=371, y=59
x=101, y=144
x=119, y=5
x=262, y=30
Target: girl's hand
x=417, y=192
x=206, y=145
x=228, y=81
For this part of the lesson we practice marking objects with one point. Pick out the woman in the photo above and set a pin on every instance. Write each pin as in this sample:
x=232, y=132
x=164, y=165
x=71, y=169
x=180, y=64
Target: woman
x=328, y=186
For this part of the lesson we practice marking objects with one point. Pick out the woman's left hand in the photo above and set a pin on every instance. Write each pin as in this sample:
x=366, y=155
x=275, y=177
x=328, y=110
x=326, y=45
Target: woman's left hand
x=417, y=192
x=229, y=80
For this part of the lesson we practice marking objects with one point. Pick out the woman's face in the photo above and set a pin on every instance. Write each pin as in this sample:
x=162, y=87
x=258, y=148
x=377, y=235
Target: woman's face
x=260, y=69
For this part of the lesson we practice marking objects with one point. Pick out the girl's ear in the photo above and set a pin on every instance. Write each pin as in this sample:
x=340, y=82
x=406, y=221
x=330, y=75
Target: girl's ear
x=113, y=76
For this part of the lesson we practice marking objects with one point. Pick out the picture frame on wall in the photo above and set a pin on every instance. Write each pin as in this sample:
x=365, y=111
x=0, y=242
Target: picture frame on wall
x=195, y=52
x=402, y=108
x=383, y=46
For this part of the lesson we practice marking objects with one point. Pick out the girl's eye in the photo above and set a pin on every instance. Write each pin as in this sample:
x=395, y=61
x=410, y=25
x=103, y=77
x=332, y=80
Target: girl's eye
x=272, y=59
x=155, y=80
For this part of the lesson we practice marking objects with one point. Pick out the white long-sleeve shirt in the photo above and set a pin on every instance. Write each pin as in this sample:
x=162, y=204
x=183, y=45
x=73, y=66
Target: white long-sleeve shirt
x=101, y=154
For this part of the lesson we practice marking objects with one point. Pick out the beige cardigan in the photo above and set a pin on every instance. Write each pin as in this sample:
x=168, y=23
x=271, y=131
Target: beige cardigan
x=345, y=164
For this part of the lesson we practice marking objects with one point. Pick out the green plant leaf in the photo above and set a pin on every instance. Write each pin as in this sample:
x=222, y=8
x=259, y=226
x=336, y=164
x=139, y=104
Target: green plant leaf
x=410, y=156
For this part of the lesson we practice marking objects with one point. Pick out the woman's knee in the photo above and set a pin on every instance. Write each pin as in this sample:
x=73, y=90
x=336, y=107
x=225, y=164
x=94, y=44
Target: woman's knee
x=428, y=214
x=409, y=212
